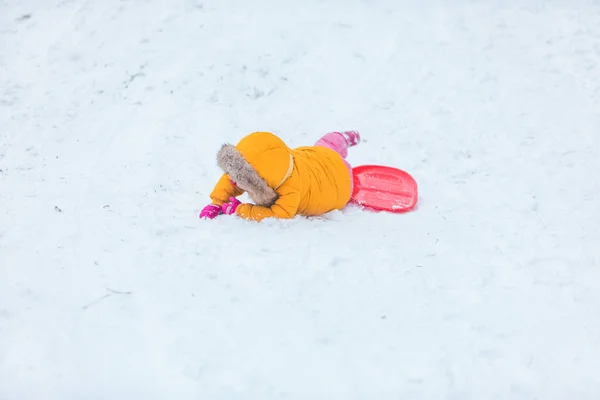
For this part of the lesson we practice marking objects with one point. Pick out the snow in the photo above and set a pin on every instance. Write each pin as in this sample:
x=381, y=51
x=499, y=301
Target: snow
x=111, y=113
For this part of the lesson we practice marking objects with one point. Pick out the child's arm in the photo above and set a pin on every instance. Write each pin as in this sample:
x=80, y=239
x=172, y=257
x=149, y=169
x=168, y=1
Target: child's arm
x=224, y=190
x=285, y=207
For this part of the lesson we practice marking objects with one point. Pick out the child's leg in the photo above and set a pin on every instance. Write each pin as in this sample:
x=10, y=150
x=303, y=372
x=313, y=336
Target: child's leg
x=339, y=141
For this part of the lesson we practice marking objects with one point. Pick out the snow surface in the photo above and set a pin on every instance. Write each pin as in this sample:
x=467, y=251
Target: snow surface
x=111, y=113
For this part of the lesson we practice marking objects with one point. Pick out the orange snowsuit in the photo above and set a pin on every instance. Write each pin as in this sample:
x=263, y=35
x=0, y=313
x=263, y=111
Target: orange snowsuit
x=282, y=182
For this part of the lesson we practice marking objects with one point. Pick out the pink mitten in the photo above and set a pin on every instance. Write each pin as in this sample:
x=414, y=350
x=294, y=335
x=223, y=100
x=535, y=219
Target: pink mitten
x=210, y=211
x=229, y=208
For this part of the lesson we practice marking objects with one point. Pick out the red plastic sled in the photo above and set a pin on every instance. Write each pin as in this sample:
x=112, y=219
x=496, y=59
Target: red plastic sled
x=381, y=188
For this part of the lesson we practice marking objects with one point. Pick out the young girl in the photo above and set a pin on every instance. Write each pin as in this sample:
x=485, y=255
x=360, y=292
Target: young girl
x=283, y=182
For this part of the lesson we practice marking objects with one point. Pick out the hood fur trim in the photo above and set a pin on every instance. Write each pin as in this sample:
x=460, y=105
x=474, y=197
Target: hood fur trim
x=241, y=172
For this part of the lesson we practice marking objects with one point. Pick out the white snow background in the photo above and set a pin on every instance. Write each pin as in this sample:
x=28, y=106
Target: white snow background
x=111, y=287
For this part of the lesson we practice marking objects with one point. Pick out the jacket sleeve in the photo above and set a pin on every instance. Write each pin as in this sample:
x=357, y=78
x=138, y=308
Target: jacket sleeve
x=286, y=207
x=224, y=190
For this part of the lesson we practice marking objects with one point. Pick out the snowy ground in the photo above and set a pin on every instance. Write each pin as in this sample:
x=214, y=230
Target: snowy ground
x=111, y=113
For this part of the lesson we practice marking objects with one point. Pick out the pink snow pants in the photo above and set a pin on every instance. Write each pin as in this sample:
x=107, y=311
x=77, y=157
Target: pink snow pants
x=336, y=142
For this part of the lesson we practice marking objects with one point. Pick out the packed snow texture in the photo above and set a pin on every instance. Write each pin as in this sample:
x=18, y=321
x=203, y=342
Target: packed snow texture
x=111, y=287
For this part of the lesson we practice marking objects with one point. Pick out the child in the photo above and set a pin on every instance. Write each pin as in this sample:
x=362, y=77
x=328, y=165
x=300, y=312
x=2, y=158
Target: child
x=283, y=182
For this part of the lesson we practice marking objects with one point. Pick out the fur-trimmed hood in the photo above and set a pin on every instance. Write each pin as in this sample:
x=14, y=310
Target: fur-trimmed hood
x=259, y=164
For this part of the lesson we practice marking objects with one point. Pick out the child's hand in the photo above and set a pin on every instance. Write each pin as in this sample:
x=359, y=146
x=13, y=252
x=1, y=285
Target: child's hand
x=210, y=211
x=229, y=208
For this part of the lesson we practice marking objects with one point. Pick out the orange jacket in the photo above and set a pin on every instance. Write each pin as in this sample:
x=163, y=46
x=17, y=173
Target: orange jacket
x=282, y=182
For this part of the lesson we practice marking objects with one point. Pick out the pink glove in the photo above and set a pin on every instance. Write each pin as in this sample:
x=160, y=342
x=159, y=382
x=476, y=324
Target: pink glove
x=229, y=208
x=210, y=211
